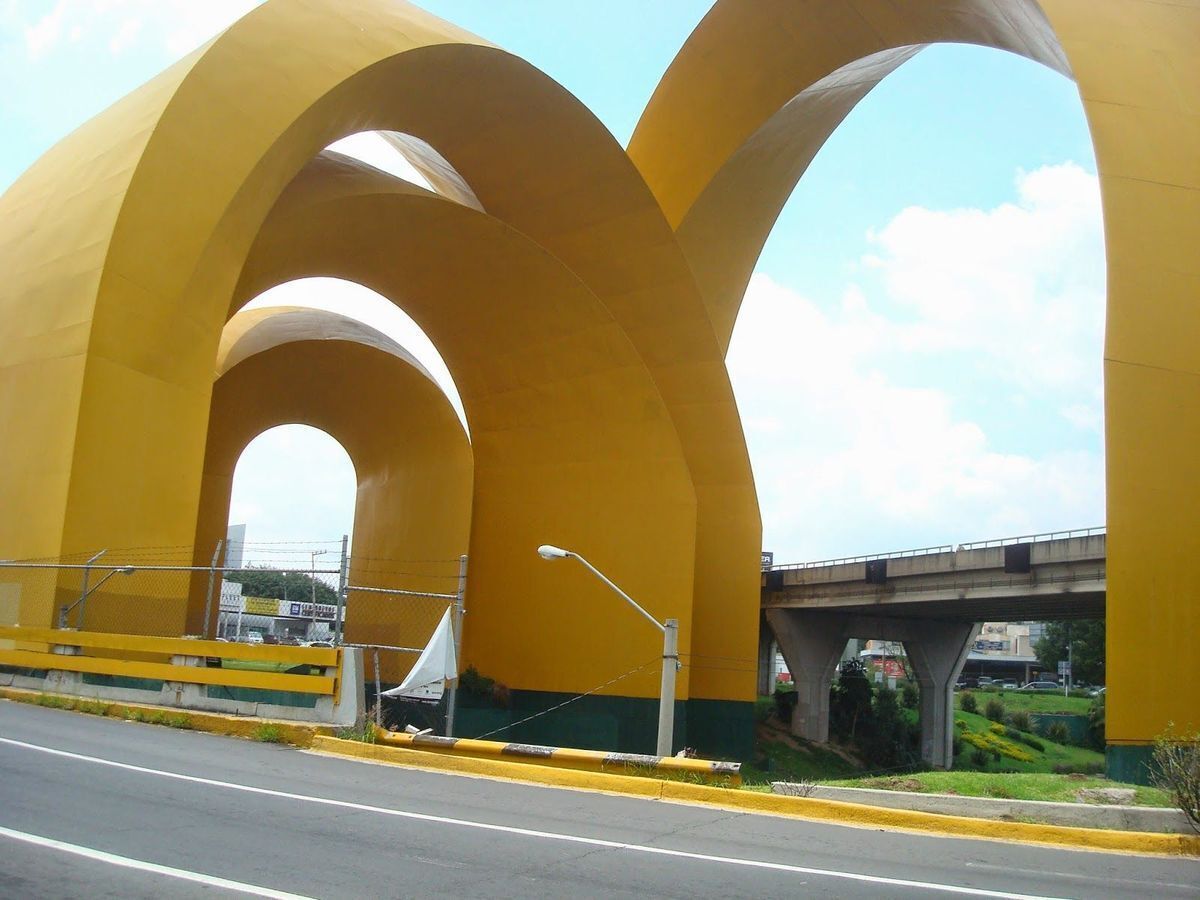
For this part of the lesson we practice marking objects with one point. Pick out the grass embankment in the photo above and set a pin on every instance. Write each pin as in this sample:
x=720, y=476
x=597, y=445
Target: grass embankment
x=976, y=732
x=1029, y=786
x=1032, y=701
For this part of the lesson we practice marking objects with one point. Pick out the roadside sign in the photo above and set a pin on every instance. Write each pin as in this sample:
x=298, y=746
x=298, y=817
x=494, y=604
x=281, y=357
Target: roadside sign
x=1064, y=668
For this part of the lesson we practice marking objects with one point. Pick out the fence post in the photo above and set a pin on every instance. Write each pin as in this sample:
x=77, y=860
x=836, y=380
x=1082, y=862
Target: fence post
x=343, y=580
x=378, y=689
x=212, y=575
x=459, y=612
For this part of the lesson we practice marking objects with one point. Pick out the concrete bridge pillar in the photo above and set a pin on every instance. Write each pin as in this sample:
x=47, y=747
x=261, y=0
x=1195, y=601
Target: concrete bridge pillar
x=811, y=643
x=936, y=651
x=766, y=657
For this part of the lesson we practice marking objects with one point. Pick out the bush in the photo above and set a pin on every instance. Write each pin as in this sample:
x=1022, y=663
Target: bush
x=1096, y=719
x=909, y=695
x=1058, y=733
x=980, y=758
x=1012, y=734
x=968, y=703
x=994, y=710
x=1175, y=768
x=785, y=705
x=1030, y=741
x=1020, y=720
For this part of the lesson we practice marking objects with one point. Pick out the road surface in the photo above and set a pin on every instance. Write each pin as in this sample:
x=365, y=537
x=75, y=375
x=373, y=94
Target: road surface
x=93, y=807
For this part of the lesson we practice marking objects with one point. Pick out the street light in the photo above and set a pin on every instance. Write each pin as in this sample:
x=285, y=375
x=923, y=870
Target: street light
x=670, y=655
x=65, y=611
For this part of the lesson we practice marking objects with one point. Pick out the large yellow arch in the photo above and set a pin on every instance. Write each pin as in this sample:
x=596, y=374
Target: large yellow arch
x=760, y=86
x=412, y=460
x=534, y=355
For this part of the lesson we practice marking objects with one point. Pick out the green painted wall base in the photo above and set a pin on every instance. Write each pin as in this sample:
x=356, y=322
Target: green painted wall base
x=714, y=728
x=1129, y=763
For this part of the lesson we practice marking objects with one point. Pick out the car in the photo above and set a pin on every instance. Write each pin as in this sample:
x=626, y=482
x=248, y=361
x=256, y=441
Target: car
x=327, y=644
x=1009, y=685
x=1097, y=692
x=254, y=637
x=1040, y=686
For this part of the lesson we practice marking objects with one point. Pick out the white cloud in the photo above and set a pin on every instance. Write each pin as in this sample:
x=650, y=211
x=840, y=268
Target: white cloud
x=851, y=457
x=126, y=36
x=171, y=28
x=41, y=37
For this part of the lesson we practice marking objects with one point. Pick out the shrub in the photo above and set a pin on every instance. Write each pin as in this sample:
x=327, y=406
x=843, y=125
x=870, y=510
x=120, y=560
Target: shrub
x=909, y=695
x=967, y=702
x=994, y=710
x=980, y=758
x=1058, y=733
x=1096, y=718
x=1012, y=734
x=1030, y=741
x=1175, y=768
x=785, y=704
x=1020, y=720
x=997, y=728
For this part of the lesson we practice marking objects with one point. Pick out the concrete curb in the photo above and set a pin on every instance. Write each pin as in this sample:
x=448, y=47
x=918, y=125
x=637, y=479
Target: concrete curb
x=1081, y=815
x=727, y=774
x=298, y=734
x=834, y=811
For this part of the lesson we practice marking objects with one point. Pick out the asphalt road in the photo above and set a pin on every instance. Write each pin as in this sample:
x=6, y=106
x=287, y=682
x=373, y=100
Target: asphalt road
x=102, y=808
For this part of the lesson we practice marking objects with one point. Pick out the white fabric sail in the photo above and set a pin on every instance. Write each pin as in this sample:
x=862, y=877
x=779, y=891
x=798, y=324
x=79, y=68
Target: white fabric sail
x=437, y=663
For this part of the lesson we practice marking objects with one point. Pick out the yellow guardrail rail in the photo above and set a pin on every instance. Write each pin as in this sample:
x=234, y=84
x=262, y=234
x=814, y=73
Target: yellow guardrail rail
x=24, y=638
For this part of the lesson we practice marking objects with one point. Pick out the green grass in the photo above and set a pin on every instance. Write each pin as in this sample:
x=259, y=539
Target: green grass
x=1029, y=786
x=1031, y=701
x=781, y=757
x=268, y=734
x=1042, y=761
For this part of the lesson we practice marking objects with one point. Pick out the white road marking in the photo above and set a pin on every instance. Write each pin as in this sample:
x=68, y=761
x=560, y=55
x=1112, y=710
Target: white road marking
x=528, y=832
x=127, y=863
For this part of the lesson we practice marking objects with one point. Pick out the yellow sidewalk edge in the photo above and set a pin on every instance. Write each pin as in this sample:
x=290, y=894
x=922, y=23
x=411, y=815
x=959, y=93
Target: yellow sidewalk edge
x=834, y=811
x=299, y=734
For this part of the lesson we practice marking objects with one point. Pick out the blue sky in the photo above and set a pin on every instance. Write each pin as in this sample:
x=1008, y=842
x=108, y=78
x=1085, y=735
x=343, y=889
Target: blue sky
x=918, y=360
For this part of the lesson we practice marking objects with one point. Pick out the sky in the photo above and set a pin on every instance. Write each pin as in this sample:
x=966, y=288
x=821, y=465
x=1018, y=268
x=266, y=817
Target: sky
x=918, y=358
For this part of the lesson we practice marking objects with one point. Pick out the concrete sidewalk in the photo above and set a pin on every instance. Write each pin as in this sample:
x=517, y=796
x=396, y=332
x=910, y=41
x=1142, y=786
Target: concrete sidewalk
x=1075, y=815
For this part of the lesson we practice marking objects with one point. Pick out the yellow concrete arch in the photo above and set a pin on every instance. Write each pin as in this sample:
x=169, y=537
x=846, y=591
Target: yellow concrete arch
x=758, y=88
x=572, y=441
x=139, y=286
x=411, y=456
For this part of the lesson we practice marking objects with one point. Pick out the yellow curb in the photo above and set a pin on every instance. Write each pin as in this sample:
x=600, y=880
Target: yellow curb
x=298, y=734
x=835, y=811
x=715, y=772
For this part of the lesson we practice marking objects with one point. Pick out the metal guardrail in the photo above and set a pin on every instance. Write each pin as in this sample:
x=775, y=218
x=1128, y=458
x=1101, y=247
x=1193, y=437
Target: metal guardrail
x=958, y=586
x=1036, y=538
x=944, y=548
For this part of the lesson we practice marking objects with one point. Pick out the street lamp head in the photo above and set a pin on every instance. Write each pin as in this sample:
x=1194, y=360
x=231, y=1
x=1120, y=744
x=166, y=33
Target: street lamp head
x=549, y=551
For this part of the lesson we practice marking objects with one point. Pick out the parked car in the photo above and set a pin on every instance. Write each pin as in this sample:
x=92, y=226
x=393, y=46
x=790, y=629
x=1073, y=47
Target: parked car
x=1009, y=685
x=1040, y=686
x=254, y=637
x=327, y=644
x=1097, y=692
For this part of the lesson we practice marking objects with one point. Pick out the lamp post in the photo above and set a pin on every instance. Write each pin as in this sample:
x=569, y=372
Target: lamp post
x=670, y=655
x=65, y=611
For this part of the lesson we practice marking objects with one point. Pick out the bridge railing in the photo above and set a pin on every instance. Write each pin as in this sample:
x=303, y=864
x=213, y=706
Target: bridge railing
x=1036, y=538
x=944, y=548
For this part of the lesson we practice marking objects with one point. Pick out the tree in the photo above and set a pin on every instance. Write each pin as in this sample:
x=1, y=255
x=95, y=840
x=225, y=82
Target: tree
x=1087, y=648
x=282, y=585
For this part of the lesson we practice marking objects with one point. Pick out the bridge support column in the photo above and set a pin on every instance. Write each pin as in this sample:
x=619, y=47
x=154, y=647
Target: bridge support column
x=766, y=657
x=812, y=644
x=937, y=658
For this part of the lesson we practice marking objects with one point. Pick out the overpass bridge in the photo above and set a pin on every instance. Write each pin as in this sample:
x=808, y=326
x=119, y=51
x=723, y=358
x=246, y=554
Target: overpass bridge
x=932, y=601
